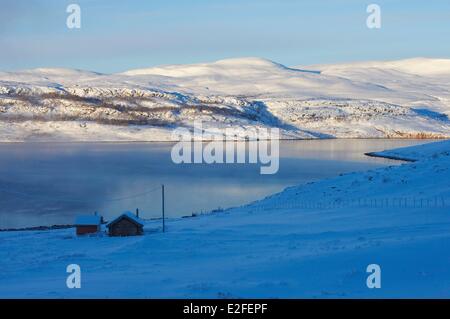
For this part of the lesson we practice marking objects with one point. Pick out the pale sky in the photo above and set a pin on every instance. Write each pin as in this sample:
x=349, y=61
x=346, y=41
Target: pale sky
x=119, y=35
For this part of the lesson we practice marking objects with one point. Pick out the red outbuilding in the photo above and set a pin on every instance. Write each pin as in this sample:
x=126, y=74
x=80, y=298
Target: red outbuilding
x=89, y=224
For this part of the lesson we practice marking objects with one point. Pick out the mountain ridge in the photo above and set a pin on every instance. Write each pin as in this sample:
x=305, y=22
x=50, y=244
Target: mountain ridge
x=361, y=99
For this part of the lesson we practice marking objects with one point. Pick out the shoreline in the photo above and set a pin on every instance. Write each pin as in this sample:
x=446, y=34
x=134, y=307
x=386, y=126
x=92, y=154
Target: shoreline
x=37, y=228
x=68, y=226
x=392, y=157
x=237, y=141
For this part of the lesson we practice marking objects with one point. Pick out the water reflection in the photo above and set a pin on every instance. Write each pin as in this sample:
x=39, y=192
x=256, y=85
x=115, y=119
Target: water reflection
x=44, y=184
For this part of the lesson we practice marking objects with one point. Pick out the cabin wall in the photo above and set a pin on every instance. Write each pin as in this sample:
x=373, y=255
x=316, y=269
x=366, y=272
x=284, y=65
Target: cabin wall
x=82, y=230
x=125, y=227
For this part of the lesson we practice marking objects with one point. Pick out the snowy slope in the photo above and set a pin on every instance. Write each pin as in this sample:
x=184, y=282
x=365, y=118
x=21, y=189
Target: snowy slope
x=414, y=66
x=415, y=153
x=312, y=241
x=408, y=98
x=432, y=76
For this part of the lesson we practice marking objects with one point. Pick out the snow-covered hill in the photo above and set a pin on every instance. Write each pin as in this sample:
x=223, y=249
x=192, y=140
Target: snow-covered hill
x=408, y=98
x=310, y=241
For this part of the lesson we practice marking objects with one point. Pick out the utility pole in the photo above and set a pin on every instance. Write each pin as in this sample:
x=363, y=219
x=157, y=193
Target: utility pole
x=163, y=217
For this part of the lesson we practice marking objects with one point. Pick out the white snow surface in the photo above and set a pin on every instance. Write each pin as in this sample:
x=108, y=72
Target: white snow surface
x=309, y=241
x=406, y=98
x=87, y=220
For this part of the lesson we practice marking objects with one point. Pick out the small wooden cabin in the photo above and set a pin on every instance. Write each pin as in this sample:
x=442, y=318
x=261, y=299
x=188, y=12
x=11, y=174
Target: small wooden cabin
x=126, y=224
x=88, y=224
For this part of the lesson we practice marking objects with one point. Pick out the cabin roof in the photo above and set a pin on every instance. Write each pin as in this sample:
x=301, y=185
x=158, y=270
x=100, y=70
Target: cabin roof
x=128, y=215
x=88, y=220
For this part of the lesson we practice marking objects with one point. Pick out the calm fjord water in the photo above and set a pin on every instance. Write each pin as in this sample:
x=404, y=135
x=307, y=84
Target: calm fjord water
x=51, y=183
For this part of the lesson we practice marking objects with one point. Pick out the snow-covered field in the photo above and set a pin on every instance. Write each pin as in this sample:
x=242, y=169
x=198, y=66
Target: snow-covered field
x=312, y=241
x=403, y=99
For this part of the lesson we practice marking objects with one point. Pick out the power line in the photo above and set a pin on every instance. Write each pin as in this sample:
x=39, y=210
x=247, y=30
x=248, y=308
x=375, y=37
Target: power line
x=78, y=200
x=134, y=196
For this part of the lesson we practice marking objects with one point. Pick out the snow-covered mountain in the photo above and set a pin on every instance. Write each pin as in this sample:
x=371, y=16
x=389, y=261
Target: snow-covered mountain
x=407, y=98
